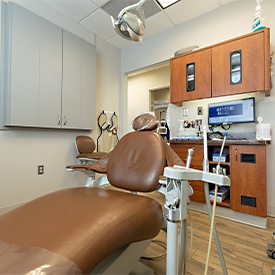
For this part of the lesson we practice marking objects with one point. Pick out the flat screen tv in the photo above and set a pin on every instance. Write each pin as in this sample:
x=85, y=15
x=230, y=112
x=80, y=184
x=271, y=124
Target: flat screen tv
x=235, y=111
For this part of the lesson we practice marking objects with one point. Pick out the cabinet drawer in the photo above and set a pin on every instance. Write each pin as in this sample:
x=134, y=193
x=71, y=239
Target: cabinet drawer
x=197, y=158
x=198, y=196
x=197, y=185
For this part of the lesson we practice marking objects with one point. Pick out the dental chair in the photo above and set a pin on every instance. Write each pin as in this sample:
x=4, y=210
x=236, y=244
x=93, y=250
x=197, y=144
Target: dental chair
x=85, y=146
x=82, y=230
x=97, y=230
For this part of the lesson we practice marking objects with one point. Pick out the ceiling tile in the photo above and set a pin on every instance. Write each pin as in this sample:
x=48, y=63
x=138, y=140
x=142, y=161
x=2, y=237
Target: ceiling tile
x=100, y=3
x=93, y=14
x=115, y=6
x=225, y=2
x=120, y=42
x=157, y=24
x=186, y=10
x=100, y=23
x=76, y=10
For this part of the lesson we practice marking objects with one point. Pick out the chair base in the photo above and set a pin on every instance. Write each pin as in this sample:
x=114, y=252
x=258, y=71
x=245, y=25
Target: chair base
x=123, y=261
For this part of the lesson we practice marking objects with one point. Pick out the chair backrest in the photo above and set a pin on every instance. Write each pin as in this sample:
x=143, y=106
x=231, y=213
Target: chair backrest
x=137, y=161
x=85, y=144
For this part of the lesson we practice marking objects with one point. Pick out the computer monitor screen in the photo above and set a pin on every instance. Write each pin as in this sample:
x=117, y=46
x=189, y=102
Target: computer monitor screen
x=236, y=111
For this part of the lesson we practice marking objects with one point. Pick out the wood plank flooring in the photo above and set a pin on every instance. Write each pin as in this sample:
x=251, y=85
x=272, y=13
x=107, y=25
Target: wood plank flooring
x=244, y=247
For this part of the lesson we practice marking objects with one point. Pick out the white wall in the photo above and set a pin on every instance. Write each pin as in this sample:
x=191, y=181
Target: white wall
x=221, y=24
x=139, y=87
x=22, y=150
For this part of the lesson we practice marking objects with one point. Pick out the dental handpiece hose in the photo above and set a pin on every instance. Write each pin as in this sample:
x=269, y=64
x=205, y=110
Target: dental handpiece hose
x=214, y=208
x=220, y=156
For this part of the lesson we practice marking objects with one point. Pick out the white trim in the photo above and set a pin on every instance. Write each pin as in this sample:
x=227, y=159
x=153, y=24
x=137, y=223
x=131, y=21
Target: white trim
x=232, y=215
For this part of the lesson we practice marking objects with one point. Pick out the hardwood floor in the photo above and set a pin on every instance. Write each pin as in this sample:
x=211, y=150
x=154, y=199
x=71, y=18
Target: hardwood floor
x=244, y=247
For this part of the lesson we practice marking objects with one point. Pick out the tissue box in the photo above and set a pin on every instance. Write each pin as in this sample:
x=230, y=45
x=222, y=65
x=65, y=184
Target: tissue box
x=216, y=155
x=222, y=194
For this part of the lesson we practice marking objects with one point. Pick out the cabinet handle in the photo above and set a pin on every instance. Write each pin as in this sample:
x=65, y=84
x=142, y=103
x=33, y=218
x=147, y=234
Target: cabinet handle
x=236, y=67
x=59, y=120
x=65, y=120
x=236, y=154
x=190, y=77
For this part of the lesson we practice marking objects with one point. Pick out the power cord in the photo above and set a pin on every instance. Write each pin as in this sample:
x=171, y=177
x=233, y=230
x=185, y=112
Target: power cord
x=162, y=244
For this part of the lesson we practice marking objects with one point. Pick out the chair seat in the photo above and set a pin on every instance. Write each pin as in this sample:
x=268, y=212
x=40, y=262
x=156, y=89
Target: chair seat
x=93, y=155
x=65, y=222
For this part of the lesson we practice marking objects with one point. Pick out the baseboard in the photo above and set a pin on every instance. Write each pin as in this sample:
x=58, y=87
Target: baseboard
x=231, y=215
x=271, y=211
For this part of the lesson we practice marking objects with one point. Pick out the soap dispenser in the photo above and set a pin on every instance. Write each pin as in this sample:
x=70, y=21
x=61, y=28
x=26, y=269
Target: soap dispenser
x=258, y=22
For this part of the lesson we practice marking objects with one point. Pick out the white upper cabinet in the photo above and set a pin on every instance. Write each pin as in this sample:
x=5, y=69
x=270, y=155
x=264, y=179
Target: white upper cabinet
x=22, y=68
x=78, y=87
x=50, y=74
x=88, y=86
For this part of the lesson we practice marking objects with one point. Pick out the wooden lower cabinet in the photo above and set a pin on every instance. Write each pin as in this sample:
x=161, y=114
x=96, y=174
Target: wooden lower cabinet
x=247, y=169
x=196, y=163
x=248, y=179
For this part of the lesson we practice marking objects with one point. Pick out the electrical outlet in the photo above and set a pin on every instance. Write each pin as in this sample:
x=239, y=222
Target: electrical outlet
x=185, y=111
x=40, y=169
x=200, y=111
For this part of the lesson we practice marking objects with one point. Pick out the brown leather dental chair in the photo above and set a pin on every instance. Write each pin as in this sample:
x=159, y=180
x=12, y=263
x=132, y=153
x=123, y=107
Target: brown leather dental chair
x=90, y=230
x=86, y=156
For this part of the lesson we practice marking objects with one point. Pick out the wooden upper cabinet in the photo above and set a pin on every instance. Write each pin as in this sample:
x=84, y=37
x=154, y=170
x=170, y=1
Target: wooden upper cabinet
x=190, y=76
x=236, y=66
x=241, y=65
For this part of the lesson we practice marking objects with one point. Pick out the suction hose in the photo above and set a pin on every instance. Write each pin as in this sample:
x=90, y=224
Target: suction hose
x=213, y=229
x=183, y=238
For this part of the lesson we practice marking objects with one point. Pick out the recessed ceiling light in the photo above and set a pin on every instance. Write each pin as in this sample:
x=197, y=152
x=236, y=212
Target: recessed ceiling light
x=166, y=3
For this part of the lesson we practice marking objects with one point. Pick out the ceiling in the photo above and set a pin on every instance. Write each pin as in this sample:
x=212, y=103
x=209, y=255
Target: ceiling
x=96, y=15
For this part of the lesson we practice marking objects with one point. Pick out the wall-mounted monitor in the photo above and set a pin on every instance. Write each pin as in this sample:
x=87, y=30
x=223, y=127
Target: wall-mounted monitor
x=235, y=111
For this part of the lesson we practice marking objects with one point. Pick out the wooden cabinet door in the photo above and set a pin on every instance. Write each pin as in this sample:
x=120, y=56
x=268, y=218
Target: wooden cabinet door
x=248, y=179
x=254, y=65
x=201, y=81
x=196, y=163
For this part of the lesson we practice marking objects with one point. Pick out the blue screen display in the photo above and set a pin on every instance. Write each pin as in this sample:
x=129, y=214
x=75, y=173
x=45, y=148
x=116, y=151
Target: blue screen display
x=237, y=111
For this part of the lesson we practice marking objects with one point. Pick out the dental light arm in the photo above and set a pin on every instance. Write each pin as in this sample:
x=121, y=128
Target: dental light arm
x=131, y=22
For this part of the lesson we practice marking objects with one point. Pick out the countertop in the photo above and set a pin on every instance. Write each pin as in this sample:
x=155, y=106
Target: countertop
x=216, y=142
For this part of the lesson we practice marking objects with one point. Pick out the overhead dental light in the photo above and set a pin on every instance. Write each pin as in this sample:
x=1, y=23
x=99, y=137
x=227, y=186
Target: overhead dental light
x=131, y=22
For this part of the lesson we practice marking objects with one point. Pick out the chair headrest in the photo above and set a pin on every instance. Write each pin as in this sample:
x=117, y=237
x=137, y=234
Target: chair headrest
x=145, y=122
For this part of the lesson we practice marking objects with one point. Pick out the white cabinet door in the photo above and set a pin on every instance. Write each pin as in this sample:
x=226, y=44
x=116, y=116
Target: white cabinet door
x=50, y=75
x=71, y=81
x=88, y=86
x=50, y=79
x=22, y=77
x=78, y=87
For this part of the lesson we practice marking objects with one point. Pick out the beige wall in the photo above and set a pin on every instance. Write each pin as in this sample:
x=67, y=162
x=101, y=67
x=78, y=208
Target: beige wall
x=139, y=87
x=22, y=150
